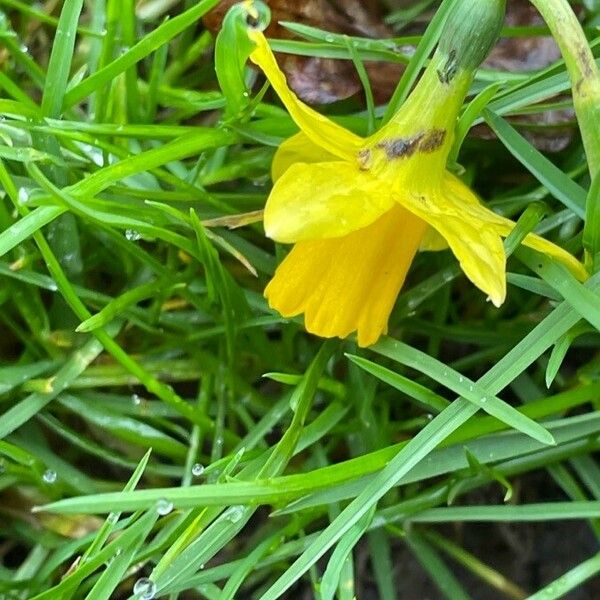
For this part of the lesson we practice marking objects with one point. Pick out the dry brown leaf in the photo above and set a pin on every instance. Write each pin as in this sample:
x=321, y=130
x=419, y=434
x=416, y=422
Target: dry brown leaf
x=321, y=81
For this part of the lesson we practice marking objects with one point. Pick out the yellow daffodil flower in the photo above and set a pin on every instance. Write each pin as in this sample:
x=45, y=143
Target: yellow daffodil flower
x=358, y=209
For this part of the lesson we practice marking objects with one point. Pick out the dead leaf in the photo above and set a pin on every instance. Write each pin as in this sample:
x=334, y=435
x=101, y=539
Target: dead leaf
x=321, y=80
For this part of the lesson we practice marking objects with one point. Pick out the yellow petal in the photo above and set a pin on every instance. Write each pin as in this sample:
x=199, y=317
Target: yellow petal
x=323, y=200
x=477, y=246
x=321, y=131
x=568, y=260
x=504, y=226
x=349, y=283
x=432, y=241
x=298, y=148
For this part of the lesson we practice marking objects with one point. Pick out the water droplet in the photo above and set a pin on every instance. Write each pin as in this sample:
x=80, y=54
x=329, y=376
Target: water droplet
x=197, y=470
x=136, y=399
x=164, y=507
x=234, y=513
x=219, y=442
x=484, y=399
x=24, y=49
x=261, y=18
x=470, y=388
x=245, y=94
x=112, y=519
x=49, y=476
x=460, y=378
x=144, y=588
x=132, y=235
x=329, y=38
x=22, y=196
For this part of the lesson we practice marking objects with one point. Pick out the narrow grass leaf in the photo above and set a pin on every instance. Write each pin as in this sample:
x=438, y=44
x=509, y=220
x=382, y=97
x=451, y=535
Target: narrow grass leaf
x=459, y=384
x=563, y=188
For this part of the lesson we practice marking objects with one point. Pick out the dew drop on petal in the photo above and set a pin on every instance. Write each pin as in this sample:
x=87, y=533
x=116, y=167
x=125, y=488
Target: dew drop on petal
x=263, y=17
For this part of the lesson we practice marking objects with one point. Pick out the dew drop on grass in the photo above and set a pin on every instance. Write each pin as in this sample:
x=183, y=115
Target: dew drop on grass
x=132, y=235
x=144, y=588
x=234, y=513
x=164, y=507
x=136, y=399
x=22, y=196
x=49, y=476
x=197, y=470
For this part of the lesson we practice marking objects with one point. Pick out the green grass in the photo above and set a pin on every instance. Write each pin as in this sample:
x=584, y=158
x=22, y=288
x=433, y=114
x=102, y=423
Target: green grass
x=158, y=420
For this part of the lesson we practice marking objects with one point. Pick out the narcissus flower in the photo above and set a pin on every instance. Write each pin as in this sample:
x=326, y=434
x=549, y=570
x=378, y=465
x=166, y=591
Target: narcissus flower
x=358, y=209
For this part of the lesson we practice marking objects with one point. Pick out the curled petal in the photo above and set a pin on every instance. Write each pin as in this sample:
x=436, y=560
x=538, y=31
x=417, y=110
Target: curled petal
x=298, y=148
x=349, y=283
x=477, y=246
x=568, y=260
x=504, y=226
x=474, y=234
x=323, y=132
x=324, y=200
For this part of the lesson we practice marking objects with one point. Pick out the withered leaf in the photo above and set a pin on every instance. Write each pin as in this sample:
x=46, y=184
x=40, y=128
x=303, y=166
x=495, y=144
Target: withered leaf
x=321, y=81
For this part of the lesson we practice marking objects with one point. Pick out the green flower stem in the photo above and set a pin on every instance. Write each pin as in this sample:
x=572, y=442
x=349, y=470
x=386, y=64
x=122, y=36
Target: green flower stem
x=583, y=71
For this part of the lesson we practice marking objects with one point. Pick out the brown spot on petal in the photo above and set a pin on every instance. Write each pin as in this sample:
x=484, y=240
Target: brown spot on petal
x=432, y=140
x=364, y=156
x=401, y=147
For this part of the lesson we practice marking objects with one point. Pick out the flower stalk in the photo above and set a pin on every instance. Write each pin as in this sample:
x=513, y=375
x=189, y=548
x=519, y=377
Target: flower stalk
x=583, y=72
